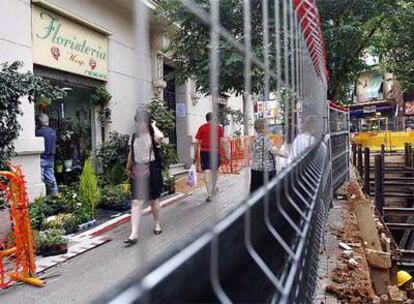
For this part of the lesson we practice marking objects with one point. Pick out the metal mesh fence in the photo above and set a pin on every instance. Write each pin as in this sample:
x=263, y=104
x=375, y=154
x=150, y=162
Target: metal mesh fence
x=267, y=249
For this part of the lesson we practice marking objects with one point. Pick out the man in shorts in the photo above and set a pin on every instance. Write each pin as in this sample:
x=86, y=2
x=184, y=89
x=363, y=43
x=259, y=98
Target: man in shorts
x=210, y=152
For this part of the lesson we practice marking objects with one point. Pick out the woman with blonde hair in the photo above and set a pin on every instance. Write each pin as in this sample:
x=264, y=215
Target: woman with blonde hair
x=145, y=171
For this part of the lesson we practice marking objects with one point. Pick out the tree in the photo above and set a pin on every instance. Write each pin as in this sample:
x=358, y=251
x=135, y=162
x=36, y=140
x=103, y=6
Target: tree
x=190, y=45
x=395, y=43
x=350, y=28
x=227, y=114
x=15, y=85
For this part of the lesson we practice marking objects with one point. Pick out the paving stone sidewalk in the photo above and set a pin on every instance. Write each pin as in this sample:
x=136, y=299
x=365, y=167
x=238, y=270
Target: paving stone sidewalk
x=86, y=277
x=329, y=252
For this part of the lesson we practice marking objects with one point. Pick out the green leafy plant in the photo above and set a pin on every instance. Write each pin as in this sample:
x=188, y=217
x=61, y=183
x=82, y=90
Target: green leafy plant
x=112, y=156
x=160, y=112
x=227, y=114
x=38, y=211
x=14, y=86
x=168, y=155
x=89, y=193
x=50, y=238
x=165, y=119
x=64, y=221
x=117, y=174
x=101, y=97
x=105, y=115
x=65, y=139
x=68, y=204
x=113, y=151
x=168, y=182
x=114, y=198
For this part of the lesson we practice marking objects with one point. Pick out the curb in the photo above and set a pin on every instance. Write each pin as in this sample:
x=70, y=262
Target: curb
x=113, y=223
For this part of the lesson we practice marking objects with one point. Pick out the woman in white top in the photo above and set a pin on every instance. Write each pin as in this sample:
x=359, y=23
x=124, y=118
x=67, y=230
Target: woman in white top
x=145, y=171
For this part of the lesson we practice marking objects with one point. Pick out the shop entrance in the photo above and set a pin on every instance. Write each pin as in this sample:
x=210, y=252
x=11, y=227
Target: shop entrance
x=169, y=98
x=72, y=119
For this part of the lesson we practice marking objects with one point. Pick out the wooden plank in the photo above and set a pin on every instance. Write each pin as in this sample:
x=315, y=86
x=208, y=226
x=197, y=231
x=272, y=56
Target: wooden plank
x=400, y=226
x=368, y=228
x=398, y=211
x=409, y=254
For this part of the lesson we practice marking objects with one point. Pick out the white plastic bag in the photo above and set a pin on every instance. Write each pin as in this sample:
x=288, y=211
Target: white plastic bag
x=192, y=177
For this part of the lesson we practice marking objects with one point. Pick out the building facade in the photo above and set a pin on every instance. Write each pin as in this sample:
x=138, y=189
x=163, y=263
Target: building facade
x=82, y=44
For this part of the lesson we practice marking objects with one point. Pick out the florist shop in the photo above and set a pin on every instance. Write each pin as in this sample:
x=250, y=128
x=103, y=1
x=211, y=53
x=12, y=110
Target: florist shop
x=73, y=57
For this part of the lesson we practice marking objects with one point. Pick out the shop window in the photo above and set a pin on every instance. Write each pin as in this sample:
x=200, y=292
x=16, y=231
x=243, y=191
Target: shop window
x=373, y=88
x=71, y=117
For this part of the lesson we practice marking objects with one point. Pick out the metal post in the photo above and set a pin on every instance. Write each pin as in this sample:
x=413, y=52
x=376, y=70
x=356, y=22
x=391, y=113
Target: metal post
x=410, y=152
x=354, y=152
x=406, y=155
x=379, y=190
x=366, y=171
x=360, y=160
x=383, y=155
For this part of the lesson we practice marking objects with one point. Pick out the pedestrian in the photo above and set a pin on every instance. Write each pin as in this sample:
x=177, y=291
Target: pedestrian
x=210, y=152
x=145, y=171
x=263, y=160
x=47, y=158
x=304, y=139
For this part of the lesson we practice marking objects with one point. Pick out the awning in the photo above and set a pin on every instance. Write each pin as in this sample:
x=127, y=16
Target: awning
x=372, y=109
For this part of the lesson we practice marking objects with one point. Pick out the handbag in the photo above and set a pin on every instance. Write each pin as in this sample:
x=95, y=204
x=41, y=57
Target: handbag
x=140, y=170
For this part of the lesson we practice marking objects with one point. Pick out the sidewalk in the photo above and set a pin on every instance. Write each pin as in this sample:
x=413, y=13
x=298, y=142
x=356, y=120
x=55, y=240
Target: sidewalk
x=338, y=281
x=88, y=276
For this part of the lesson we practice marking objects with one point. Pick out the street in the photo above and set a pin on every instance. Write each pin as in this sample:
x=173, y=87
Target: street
x=89, y=276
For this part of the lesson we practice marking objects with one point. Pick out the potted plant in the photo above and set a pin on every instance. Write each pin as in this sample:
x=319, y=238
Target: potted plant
x=51, y=242
x=64, y=221
x=115, y=198
x=100, y=98
x=42, y=103
x=168, y=183
x=64, y=145
x=89, y=193
x=105, y=115
x=59, y=166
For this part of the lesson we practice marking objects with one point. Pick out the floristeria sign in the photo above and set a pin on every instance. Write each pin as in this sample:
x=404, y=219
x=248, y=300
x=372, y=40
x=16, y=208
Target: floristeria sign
x=65, y=45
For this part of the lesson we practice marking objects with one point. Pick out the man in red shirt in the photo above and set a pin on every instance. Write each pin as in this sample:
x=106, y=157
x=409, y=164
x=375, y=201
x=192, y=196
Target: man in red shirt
x=209, y=151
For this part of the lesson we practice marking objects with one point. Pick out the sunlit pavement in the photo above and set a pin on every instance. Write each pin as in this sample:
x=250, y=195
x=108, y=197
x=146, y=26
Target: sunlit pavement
x=89, y=276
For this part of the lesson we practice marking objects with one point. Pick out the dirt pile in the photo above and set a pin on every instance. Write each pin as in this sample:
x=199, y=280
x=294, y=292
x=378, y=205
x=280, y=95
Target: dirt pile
x=351, y=279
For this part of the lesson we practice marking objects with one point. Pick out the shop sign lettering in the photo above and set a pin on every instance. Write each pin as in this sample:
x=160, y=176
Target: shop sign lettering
x=65, y=45
x=370, y=109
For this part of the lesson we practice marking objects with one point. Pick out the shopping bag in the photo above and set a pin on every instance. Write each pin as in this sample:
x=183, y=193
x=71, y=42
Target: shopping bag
x=192, y=176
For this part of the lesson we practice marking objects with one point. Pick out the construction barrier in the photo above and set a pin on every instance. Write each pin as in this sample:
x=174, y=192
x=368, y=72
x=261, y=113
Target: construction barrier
x=239, y=152
x=17, y=247
x=392, y=140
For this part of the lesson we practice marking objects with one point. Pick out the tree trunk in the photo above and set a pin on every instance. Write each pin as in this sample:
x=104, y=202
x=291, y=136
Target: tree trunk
x=248, y=116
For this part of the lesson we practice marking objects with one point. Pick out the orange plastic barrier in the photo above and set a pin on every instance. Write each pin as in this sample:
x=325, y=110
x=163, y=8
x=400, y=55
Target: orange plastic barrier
x=239, y=156
x=240, y=153
x=17, y=248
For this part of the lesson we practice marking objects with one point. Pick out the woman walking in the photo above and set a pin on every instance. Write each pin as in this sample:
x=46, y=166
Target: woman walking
x=144, y=169
x=263, y=164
